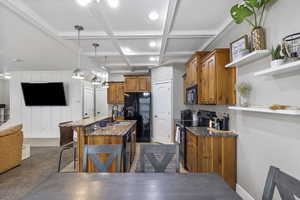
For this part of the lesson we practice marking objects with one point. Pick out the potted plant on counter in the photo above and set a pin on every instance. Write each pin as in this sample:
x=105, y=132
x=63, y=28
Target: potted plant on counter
x=277, y=58
x=252, y=11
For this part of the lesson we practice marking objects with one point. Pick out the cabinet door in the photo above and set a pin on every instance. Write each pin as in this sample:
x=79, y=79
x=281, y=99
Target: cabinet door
x=131, y=84
x=212, y=90
x=111, y=93
x=143, y=84
x=191, y=154
x=194, y=71
x=204, y=83
x=120, y=93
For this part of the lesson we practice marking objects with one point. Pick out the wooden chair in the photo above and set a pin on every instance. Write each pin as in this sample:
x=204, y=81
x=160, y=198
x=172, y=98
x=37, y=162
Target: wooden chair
x=288, y=186
x=155, y=152
x=92, y=151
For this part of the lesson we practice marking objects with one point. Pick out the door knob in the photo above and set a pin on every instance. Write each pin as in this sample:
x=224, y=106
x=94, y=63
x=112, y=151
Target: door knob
x=155, y=116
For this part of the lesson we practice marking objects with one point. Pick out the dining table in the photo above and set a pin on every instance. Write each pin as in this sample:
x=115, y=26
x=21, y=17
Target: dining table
x=133, y=186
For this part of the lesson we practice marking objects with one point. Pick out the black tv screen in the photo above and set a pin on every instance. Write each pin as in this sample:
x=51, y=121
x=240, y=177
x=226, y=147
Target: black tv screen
x=44, y=94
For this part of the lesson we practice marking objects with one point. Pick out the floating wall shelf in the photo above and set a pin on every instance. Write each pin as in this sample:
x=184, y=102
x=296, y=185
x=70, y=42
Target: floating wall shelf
x=265, y=110
x=255, y=55
x=289, y=67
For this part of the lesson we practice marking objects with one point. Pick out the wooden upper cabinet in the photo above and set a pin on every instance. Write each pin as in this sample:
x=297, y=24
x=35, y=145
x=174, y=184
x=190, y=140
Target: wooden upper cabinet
x=115, y=93
x=131, y=84
x=137, y=84
x=217, y=82
x=144, y=84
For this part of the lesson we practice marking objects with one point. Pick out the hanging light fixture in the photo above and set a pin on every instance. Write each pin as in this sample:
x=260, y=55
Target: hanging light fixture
x=96, y=80
x=77, y=73
x=105, y=83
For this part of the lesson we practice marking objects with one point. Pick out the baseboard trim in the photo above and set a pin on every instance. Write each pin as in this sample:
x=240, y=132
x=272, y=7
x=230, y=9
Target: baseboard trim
x=243, y=193
x=42, y=142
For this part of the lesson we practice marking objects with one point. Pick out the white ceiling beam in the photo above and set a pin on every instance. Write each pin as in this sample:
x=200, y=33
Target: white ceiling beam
x=191, y=34
x=172, y=7
x=92, y=54
x=129, y=72
x=96, y=35
x=102, y=20
x=179, y=53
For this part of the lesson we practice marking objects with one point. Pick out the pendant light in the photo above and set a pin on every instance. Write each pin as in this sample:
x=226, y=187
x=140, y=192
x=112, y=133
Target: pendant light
x=105, y=83
x=77, y=73
x=96, y=80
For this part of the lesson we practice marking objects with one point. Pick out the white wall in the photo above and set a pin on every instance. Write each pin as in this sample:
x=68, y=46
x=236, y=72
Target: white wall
x=266, y=139
x=4, y=92
x=42, y=122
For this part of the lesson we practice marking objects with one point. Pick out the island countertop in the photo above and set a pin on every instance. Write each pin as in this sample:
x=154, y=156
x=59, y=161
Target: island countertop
x=86, y=122
x=204, y=132
x=119, y=128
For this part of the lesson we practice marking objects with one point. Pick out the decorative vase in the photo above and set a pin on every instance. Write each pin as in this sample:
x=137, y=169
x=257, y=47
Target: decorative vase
x=258, y=39
x=244, y=101
x=276, y=63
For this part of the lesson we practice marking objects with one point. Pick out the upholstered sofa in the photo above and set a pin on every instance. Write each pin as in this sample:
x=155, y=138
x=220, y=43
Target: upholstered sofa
x=11, y=141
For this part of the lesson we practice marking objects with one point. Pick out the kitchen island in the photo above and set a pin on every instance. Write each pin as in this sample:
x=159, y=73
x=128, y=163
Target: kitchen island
x=119, y=132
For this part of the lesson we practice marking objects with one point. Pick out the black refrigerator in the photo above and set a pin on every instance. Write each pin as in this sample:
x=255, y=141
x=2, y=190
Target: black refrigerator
x=138, y=107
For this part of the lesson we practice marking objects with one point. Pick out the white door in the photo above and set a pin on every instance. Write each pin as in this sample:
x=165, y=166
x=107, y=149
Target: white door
x=162, y=112
x=101, y=102
x=88, y=102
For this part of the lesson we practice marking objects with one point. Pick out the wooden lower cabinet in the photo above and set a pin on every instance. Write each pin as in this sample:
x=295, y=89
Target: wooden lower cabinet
x=212, y=154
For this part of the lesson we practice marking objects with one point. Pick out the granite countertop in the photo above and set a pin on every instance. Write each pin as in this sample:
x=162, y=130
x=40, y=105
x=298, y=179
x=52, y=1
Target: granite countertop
x=85, y=122
x=203, y=132
x=119, y=128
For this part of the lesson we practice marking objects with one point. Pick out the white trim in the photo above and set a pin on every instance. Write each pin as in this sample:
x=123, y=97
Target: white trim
x=243, y=193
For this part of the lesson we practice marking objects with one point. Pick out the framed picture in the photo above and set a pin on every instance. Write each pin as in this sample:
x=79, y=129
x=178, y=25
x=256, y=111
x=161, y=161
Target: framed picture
x=239, y=47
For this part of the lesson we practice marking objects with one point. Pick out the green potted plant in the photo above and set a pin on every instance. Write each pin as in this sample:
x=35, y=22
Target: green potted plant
x=244, y=89
x=252, y=11
x=277, y=58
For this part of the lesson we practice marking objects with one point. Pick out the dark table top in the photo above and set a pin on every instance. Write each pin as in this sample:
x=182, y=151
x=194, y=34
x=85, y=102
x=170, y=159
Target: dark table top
x=134, y=186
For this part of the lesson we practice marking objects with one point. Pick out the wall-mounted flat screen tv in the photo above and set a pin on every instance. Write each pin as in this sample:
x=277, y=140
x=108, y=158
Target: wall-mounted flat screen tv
x=44, y=94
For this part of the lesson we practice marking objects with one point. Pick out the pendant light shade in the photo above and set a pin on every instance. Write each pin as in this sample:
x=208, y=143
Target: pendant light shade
x=78, y=73
x=96, y=81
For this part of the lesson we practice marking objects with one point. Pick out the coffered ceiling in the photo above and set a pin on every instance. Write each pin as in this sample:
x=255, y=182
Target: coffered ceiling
x=124, y=30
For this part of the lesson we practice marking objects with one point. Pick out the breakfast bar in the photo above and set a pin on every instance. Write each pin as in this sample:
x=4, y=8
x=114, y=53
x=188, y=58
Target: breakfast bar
x=91, y=132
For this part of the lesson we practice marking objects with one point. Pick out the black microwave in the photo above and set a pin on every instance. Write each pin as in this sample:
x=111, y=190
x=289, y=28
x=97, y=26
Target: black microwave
x=192, y=95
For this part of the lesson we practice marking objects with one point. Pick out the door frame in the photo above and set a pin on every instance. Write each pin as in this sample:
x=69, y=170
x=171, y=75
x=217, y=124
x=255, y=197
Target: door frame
x=152, y=114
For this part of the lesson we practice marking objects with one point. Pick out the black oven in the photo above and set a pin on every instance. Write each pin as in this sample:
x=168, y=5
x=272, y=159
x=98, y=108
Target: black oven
x=192, y=95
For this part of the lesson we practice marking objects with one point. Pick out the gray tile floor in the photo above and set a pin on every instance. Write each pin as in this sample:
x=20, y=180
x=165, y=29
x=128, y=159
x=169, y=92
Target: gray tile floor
x=19, y=181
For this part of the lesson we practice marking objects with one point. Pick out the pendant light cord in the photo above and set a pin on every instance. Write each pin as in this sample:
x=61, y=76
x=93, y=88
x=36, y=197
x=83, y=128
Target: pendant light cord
x=79, y=50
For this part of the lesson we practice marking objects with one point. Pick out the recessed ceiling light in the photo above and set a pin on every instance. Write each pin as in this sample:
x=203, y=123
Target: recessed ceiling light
x=127, y=50
x=152, y=44
x=113, y=3
x=153, y=16
x=83, y=2
x=152, y=58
